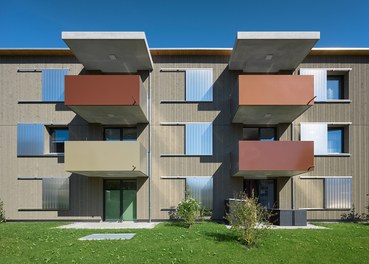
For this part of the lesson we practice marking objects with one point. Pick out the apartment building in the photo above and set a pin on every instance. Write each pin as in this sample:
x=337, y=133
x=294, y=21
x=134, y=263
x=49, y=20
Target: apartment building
x=110, y=130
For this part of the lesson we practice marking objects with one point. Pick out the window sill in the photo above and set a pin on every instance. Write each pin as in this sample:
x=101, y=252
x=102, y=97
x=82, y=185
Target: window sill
x=183, y=102
x=342, y=101
x=183, y=155
x=334, y=155
x=40, y=156
x=325, y=209
x=38, y=102
x=39, y=210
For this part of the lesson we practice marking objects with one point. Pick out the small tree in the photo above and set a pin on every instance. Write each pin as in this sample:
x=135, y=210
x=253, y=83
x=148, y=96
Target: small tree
x=248, y=218
x=188, y=210
x=2, y=212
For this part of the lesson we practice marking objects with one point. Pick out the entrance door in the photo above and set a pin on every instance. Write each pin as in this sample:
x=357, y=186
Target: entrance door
x=264, y=190
x=120, y=200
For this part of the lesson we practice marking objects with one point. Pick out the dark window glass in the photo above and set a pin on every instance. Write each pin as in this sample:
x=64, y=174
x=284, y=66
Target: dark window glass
x=262, y=133
x=112, y=134
x=251, y=133
x=335, y=140
x=57, y=138
x=334, y=87
x=120, y=134
x=267, y=133
x=129, y=134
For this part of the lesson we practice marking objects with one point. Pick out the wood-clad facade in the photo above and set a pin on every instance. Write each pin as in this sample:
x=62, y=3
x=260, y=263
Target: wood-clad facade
x=163, y=137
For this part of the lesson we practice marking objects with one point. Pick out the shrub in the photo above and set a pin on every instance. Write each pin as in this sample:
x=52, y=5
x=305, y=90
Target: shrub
x=247, y=218
x=353, y=216
x=188, y=210
x=2, y=212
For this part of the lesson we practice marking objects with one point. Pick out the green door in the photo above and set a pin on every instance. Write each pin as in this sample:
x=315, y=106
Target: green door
x=120, y=200
x=129, y=200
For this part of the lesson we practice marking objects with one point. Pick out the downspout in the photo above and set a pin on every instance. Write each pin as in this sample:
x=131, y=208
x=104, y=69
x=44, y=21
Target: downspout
x=292, y=178
x=149, y=143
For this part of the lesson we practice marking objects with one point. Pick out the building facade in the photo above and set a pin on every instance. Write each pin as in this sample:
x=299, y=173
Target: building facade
x=112, y=130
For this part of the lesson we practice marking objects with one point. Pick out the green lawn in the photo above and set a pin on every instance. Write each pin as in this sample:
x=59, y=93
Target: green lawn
x=169, y=243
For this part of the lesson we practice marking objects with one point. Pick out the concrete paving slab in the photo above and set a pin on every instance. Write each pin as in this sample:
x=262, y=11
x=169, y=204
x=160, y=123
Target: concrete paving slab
x=109, y=225
x=108, y=237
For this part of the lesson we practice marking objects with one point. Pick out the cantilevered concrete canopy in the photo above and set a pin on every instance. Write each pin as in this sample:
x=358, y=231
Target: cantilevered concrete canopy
x=111, y=52
x=271, y=52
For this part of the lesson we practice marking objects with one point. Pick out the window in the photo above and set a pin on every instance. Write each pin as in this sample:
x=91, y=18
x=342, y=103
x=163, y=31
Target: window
x=55, y=193
x=120, y=134
x=337, y=193
x=53, y=84
x=201, y=188
x=335, y=140
x=199, y=139
x=335, y=87
x=57, y=138
x=329, y=84
x=199, y=85
x=329, y=139
x=259, y=133
x=30, y=139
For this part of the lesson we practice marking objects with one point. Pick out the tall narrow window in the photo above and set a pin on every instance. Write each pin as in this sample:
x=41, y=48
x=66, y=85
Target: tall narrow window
x=335, y=87
x=335, y=140
x=57, y=138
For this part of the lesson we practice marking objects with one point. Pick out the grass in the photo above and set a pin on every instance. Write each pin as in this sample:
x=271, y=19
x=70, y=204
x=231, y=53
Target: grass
x=171, y=243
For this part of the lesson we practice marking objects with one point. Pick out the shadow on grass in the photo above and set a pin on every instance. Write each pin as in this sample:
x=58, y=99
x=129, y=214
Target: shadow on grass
x=227, y=236
x=176, y=224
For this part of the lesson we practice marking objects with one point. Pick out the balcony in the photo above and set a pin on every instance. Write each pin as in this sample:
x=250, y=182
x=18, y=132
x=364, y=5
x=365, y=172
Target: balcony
x=272, y=99
x=106, y=158
x=265, y=159
x=107, y=99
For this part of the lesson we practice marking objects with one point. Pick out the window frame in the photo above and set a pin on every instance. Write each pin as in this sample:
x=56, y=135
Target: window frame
x=52, y=142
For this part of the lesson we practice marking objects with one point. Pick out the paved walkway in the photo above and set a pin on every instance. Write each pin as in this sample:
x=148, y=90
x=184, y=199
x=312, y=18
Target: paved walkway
x=308, y=226
x=110, y=225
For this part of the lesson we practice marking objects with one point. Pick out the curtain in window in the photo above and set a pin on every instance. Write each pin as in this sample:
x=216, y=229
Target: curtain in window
x=199, y=139
x=53, y=84
x=199, y=85
x=201, y=188
x=316, y=132
x=30, y=139
x=338, y=193
x=320, y=82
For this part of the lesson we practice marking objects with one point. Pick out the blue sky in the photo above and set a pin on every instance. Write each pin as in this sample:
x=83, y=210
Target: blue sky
x=182, y=23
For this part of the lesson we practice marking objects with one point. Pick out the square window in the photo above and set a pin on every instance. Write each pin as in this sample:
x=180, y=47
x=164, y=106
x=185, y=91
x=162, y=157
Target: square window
x=112, y=134
x=335, y=87
x=335, y=139
x=57, y=138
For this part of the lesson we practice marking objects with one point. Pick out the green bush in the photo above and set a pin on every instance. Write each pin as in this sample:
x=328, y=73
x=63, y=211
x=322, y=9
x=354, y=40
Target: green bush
x=188, y=210
x=353, y=216
x=247, y=218
x=2, y=212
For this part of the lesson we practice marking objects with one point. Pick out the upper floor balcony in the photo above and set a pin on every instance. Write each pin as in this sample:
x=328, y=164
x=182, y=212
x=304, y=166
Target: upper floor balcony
x=272, y=99
x=107, y=99
x=274, y=158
